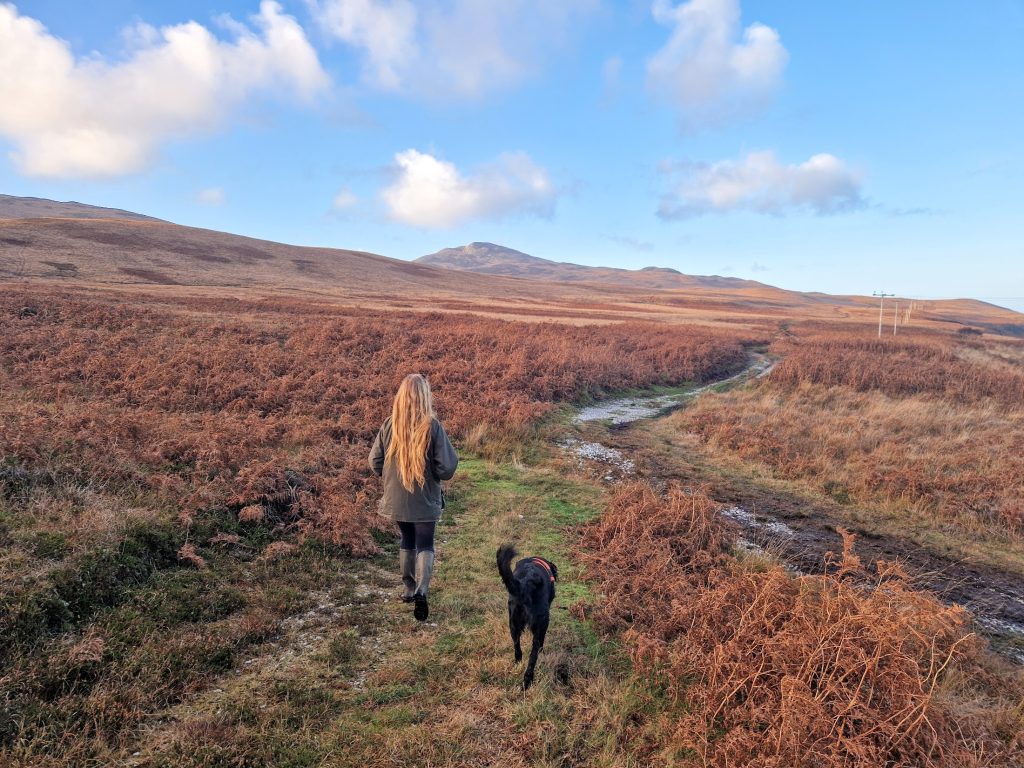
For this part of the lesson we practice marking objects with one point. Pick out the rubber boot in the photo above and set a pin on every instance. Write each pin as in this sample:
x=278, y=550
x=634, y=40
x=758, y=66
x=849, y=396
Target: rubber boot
x=407, y=565
x=424, y=570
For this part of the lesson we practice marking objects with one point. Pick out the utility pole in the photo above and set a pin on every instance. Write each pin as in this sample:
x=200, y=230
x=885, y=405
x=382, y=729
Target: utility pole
x=881, y=304
x=895, y=317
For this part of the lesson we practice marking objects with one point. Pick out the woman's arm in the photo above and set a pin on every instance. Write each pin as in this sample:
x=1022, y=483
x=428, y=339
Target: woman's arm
x=444, y=460
x=377, y=453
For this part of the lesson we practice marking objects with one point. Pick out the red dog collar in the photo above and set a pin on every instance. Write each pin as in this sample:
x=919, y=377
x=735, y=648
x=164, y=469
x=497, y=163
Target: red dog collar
x=543, y=564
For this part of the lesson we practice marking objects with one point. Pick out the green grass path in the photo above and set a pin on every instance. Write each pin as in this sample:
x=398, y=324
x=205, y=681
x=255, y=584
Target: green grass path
x=446, y=692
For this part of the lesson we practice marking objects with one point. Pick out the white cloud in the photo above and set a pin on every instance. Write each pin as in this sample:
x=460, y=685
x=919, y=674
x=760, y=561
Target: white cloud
x=344, y=200
x=611, y=79
x=707, y=69
x=633, y=242
x=432, y=193
x=385, y=31
x=759, y=182
x=448, y=48
x=213, y=196
x=88, y=117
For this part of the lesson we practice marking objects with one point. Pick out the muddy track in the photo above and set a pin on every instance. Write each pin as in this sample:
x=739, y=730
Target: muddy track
x=802, y=530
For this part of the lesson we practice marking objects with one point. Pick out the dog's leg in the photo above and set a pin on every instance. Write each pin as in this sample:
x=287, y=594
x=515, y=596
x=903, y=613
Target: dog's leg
x=516, y=624
x=539, y=631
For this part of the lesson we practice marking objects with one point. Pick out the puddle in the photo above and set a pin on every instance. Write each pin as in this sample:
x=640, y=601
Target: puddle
x=586, y=451
x=768, y=525
x=626, y=410
x=995, y=604
x=764, y=529
x=1009, y=629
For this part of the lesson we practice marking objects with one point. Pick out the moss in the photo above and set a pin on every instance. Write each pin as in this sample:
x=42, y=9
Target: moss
x=182, y=596
x=564, y=512
x=102, y=578
x=26, y=617
x=218, y=520
x=837, y=492
x=343, y=649
x=47, y=545
x=388, y=694
x=301, y=705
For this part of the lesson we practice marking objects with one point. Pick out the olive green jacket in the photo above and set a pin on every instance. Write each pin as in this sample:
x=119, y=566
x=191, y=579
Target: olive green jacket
x=422, y=505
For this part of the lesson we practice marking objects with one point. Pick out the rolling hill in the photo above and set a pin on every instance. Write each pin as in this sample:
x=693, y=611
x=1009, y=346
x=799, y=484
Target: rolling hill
x=76, y=245
x=12, y=207
x=491, y=259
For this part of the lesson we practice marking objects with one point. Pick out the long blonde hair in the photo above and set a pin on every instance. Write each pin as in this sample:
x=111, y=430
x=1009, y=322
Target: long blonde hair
x=411, y=416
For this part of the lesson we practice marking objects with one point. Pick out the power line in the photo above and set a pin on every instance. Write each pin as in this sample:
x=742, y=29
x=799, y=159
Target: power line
x=881, y=303
x=965, y=298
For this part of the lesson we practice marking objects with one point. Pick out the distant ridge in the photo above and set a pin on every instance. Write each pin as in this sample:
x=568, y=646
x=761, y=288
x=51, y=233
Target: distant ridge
x=12, y=207
x=72, y=244
x=492, y=259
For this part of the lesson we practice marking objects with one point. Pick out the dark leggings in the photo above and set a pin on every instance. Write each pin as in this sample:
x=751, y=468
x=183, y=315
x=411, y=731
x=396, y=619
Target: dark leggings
x=417, y=536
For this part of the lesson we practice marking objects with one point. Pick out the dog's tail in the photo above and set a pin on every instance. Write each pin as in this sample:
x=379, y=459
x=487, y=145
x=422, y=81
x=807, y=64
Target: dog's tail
x=506, y=554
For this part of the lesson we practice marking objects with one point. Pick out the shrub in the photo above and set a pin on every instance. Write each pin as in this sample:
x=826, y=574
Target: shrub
x=276, y=408
x=847, y=669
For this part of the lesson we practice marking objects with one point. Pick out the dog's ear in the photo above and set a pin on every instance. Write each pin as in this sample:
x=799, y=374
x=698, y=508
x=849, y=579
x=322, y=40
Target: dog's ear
x=554, y=570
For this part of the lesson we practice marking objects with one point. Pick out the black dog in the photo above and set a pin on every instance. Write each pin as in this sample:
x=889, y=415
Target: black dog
x=531, y=588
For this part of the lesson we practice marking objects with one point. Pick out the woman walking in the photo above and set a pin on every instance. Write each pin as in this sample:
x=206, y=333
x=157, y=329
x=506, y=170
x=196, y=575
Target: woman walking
x=413, y=455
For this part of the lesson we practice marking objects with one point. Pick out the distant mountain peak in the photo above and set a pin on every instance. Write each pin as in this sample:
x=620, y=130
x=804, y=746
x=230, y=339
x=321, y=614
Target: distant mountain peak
x=494, y=259
x=71, y=244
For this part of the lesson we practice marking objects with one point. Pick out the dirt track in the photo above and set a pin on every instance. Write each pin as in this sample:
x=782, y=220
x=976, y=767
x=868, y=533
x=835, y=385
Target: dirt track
x=799, y=529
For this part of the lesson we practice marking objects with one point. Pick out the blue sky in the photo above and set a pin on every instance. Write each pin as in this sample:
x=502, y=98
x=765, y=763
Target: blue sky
x=843, y=147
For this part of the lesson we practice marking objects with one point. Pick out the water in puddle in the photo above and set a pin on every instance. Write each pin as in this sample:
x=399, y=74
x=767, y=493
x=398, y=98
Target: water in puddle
x=587, y=451
x=626, y=410
x=749, y=520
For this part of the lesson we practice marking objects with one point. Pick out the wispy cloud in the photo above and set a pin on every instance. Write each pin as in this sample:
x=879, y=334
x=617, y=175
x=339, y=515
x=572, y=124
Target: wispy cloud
x=432, y=193
x=917, y=211
x=212, y=196
x=632, y=242
x=343, y=201
x=611, y=80
x=89, y=117
x=758, y=182
x=454, y=49
x=710, y=69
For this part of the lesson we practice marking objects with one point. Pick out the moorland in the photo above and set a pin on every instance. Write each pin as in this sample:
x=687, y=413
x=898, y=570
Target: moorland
x=192, y=571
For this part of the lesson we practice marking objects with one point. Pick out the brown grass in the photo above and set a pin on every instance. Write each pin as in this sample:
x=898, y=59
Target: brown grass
x=929, y=365
x=277, y=409
x=247, y=420
x=779, y=670
x=941, y=461
x=178, y=476
x=930, y=428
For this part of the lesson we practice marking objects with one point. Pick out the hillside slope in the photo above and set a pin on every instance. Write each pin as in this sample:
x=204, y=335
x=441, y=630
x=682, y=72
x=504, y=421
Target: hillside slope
x=12, y=207
x=492, y=259
x=101, y=248
x=121, y=252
